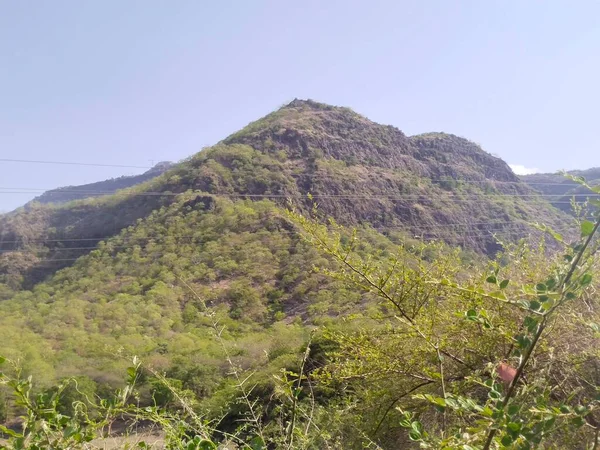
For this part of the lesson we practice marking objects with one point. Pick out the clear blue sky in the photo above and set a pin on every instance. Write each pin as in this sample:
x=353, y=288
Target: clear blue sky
x=130, y=82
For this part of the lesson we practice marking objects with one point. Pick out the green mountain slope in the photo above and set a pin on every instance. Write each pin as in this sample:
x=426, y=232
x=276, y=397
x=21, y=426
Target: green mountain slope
x=434, y=185
x=160, y=290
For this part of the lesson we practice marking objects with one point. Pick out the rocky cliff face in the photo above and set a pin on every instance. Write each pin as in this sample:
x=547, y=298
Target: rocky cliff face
x=307, y=129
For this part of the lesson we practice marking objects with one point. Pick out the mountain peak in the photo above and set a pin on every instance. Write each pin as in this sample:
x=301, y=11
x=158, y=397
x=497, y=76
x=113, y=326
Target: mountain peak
x=304, y=128
x=159, y=167
x=309, y=104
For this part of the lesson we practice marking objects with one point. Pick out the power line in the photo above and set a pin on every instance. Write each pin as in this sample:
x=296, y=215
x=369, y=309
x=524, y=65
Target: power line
x=69, y=163
x=162, y=254
x=71, y=189
x=428, y=235
x=431, y=235
x=54, y=249
x=460, y=181
x=401, y=227
x=433, y=180
x=303, y=196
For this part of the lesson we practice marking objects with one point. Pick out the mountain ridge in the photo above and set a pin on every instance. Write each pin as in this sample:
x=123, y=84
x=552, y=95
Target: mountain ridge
x=358, y=171
x=105, y=187
x=561, y=189
x=207, y=258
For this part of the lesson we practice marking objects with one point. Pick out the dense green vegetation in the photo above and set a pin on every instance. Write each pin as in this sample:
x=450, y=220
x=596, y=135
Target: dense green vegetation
x=420, y=347
x=314, y=281
x=505, y=359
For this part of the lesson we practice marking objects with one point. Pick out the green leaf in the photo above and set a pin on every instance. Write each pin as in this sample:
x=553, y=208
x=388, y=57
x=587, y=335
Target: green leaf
x=550, y=231
x=487, y=412
x=9, y=432
x=559, y=237
x=405, y=422
x=531, y=324
x=587, y=228
x=549, y=422
x=255, y=444
x=498, y=294
x=540, y=287
x=504, y=284
x=471, y=314
x=452, y=403
x=439, y=401
x=534, y=305
x=492, y=279
x=529, y=290
x=551, y=283
x=417, y=426
x=523, y=341
x=512, y=410
x=514, y=426
x=506, y=440
x=494, y=395
x=578, y=421
x=586, y=279
x=2, y=359
x=131, y=372
x=414, y=435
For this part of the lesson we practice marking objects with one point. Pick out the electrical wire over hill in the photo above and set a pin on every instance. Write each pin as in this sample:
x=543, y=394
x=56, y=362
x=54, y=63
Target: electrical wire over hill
x=71, y=163
x=515, y=230
x=499, y=235
x=133, y=166
x=402, y=227
x=457, y=196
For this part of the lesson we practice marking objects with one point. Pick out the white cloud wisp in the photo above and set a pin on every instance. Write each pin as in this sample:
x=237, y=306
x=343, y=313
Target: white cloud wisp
x=522, y=170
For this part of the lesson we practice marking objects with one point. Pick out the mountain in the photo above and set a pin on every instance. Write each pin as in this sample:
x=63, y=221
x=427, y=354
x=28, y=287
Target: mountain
x=561, y=190
x=70, y=193
x=431, y=186
x=204, y=259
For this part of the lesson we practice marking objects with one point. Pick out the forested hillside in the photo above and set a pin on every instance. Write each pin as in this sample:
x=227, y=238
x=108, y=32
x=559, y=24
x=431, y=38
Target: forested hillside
x=298, y=282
